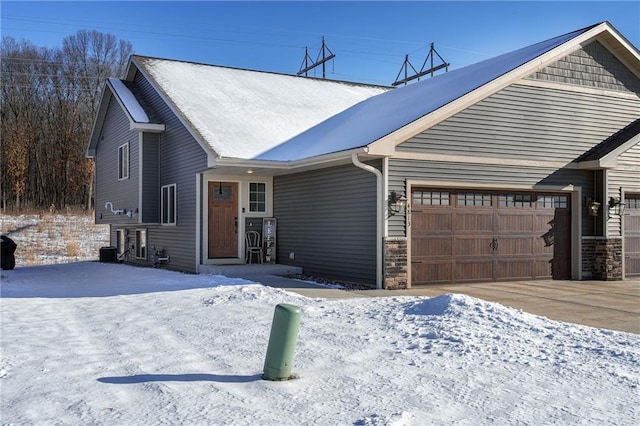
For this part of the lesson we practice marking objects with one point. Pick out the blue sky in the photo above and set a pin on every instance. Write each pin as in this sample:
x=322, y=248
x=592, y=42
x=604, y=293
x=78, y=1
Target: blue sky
x=369, y=38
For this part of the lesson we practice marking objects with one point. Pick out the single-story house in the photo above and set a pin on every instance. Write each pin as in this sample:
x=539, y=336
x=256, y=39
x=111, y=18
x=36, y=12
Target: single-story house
x=522, y=166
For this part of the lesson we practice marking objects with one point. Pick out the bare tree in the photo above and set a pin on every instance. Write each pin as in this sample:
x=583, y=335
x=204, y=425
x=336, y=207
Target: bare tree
x=49, y=99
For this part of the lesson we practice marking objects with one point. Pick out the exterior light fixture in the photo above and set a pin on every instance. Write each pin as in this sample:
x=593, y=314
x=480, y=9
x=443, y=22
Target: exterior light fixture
x=593, y=207
x=616, y=206
x=397, y=203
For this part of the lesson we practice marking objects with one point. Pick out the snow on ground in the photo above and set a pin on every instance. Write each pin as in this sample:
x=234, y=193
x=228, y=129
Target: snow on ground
x=90, y=343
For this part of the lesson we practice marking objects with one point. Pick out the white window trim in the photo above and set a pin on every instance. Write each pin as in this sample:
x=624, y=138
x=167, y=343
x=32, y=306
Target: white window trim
x=266, y=195
x=175, y=205
x=125, y=171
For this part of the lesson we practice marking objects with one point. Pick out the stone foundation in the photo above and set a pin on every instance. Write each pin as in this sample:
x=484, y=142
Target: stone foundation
x=395, y=263
x=602, y=258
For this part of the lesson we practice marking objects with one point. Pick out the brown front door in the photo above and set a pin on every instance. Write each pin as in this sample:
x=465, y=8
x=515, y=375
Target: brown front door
x=223, y=219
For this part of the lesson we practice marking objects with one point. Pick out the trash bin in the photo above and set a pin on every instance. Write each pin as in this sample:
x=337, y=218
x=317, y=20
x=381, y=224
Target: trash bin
x=7, y=250
x=108, y=254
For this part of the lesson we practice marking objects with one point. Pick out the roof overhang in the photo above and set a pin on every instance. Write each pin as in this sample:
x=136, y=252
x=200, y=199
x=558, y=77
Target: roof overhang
x=135, y=66
x=610, y=160
x=275, y=168
x=109, y=92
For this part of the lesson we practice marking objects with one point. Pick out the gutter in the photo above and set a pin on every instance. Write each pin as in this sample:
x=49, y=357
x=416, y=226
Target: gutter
x=285, y=165
x=379, y=214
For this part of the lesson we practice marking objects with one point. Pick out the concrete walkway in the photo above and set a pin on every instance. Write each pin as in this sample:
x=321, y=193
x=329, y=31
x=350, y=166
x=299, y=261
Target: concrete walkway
x=612, y=305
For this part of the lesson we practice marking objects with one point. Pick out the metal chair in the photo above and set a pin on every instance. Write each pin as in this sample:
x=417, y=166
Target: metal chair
x=252, y=245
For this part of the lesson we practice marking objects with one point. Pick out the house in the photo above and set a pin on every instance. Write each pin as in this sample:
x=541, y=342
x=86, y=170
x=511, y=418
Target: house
x=523, y=166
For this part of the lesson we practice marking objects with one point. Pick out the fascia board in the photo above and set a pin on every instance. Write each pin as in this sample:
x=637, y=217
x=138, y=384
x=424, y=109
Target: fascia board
x=621, y=48
x=147, y=127
x=590, y=165
x=289, y=165
x=386, y=145
x=610, y=160
x=211, y=154
x=114, y=93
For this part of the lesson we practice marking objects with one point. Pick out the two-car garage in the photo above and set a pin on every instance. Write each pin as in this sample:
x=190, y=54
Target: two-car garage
x=462, y=236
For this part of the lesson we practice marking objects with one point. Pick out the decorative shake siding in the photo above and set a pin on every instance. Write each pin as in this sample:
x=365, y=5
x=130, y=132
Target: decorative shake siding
x=180, y=156
x=327, y=219
x=122, y=194
x=592, y=66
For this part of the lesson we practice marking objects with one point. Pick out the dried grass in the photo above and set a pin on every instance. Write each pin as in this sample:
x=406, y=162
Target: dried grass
x=73, y=249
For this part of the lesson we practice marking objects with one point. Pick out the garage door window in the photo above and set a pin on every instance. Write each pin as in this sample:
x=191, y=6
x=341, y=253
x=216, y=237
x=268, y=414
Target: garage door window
x=474, y=199
x=515, y=200
x=431, y=198
x=633, y=202
x=552, y=202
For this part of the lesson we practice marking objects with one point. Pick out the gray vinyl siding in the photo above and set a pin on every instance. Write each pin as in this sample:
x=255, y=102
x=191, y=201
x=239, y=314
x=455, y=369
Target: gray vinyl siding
x=401, y=170
x=592, y=66
x=531, y=123
x=327, y=218
x=123, y=194
x=625, y=177
x=181, y=157
x=150, y=178
x=254, y=224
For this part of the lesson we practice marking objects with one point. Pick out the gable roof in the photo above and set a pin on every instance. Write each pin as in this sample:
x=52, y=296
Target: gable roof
x=415, y=107
x=135, y=112
x=241, y=113
x=606, y=153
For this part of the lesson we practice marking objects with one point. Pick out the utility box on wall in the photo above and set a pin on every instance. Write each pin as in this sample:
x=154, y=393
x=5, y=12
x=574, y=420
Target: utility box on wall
x=269, y=225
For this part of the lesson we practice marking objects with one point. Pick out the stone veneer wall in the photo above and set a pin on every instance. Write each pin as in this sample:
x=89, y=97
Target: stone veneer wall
x=395, y=263
x=602, y=258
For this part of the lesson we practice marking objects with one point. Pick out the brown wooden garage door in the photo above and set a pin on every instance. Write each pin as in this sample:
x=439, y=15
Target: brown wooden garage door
x=473, y=236
x=632, y=235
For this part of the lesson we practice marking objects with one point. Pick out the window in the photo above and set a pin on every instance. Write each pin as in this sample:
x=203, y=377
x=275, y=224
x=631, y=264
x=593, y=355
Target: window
x=632, y=201
x=430, y=198
x=141, y=244
x=552, y=201
x=515, y=200
x=123, y=161
x=474, y=199
x=257, y=197
x=168, y=202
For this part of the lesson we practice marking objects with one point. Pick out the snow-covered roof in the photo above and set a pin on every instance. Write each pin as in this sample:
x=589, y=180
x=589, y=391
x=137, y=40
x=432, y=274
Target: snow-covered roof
x=129, y=101
x=381, y=115
x=241, y=113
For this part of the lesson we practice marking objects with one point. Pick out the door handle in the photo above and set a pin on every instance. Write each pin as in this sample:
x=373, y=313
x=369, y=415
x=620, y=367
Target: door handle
x=235, y=225
x=494, y=244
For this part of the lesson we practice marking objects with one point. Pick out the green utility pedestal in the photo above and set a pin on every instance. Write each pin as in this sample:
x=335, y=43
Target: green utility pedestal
x=282, y=342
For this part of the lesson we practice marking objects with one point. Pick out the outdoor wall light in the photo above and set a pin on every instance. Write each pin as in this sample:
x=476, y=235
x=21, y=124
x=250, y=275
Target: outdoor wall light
x=616, y=206
x=397, y=203
x=593, y=207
